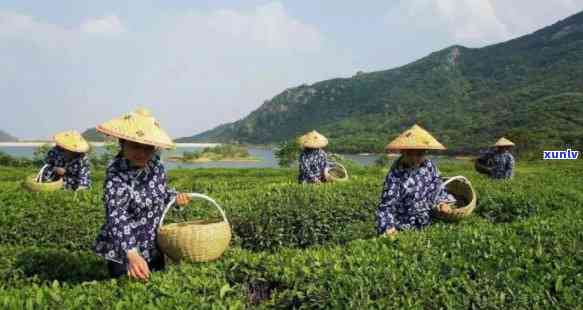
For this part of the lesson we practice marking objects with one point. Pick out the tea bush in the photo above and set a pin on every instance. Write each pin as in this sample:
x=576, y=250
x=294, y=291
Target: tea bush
x=298, y=246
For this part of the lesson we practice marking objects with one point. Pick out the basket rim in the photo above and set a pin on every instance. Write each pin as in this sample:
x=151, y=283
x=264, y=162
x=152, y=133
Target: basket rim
x=459, y=212
x=32, y=179
x=335, y=165
x=197, y=223
x=194, y=195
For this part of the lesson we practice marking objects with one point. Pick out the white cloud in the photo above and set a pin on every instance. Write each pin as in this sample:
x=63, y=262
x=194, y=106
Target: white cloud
x=472, y=20
x=23, y=28
x=223, y=64
x=272, y=25
x=107, y=25
x=523, y=16
x=476, y=22
x=268, y=26
x=198, y=68
x=194, y=69
x=10, y=20
x=467, y=22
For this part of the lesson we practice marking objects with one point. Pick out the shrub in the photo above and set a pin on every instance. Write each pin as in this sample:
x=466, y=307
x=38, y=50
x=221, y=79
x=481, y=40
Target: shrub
x=299, y=246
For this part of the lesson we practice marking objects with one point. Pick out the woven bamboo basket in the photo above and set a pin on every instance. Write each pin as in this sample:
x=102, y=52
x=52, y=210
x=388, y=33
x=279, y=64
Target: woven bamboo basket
x=195, y=241
x=461, y=188
x=335, y=172
x=33, y=183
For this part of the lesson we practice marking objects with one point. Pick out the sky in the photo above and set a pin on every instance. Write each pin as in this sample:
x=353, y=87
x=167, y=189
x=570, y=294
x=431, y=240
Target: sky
x=198, y=64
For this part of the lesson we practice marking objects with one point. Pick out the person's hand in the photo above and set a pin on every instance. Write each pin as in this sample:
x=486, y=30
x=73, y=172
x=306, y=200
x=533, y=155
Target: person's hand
x=137, y=266
x=391, y=232
x=443, y=207
x=60, y=171
x=182, y=199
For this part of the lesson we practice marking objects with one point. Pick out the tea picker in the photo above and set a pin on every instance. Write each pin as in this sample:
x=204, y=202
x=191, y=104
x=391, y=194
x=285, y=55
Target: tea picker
x=412, y=186
x=498, y=163
x=66, y=165
x=313, y=159
x=136, y=196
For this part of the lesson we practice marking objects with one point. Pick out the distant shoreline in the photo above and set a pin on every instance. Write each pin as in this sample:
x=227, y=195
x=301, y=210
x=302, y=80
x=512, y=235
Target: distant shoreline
x=178, y=159
x=98, y=144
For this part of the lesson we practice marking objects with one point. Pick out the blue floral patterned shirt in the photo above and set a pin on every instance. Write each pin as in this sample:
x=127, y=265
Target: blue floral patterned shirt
x=312, y=165
x=135, y=201
x=503, y=165
x=77, y=169
x=408, y=196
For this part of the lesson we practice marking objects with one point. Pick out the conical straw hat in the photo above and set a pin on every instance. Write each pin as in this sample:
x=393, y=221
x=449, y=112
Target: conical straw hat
x=415, y=138
x=504, y=142
x=137, y=126
x=313, y=140
x=72, y=141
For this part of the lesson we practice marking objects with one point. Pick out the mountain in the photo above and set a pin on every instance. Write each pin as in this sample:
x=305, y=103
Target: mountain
x=5, y=137
x=93, y=135
x=529, y=89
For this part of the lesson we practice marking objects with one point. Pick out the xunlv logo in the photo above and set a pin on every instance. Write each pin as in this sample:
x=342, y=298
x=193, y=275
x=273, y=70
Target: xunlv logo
x=568, y=154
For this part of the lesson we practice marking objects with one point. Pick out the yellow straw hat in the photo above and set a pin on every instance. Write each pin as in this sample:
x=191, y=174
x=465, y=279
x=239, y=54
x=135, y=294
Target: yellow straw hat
x=313, y=140
x=137, y=126
x=415, y=138
x=504, y=142
x=71, y=140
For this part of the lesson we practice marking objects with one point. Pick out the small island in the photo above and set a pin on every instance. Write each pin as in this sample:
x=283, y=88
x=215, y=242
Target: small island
x=225, y=152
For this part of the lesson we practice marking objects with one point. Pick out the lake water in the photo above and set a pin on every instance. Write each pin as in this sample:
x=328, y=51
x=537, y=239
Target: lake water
x=264, y=155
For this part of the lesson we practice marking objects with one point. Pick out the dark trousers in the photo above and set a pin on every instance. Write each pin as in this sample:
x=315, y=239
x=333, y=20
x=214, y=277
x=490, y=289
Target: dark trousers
x=117, y=270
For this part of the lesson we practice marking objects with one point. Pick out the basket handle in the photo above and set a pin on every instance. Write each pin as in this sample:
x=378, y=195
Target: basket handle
x=195, y=195
x=40, y=173
x=333, y=163
x=458, y=177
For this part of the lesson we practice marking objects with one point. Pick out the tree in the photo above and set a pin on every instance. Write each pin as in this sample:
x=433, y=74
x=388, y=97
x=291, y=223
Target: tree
x=287, y=153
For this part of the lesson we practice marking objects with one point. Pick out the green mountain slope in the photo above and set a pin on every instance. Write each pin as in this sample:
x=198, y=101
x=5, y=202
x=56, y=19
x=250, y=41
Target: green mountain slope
x=529, y=88
x=5, y=137
x=93, y=135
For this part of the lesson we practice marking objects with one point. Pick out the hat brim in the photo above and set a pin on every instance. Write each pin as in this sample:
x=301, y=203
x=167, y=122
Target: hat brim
x=120, y=135
x=315, y=144
x=415, y=138
x=72, y=149
x=504, y=145
x=405, y=147
x=82, y=145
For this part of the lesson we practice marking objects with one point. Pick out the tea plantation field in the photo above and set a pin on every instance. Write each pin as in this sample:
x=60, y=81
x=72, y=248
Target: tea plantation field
x=298, y=246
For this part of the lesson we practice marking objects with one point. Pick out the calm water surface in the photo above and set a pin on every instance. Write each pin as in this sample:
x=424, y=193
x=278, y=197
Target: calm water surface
x=265, y=156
